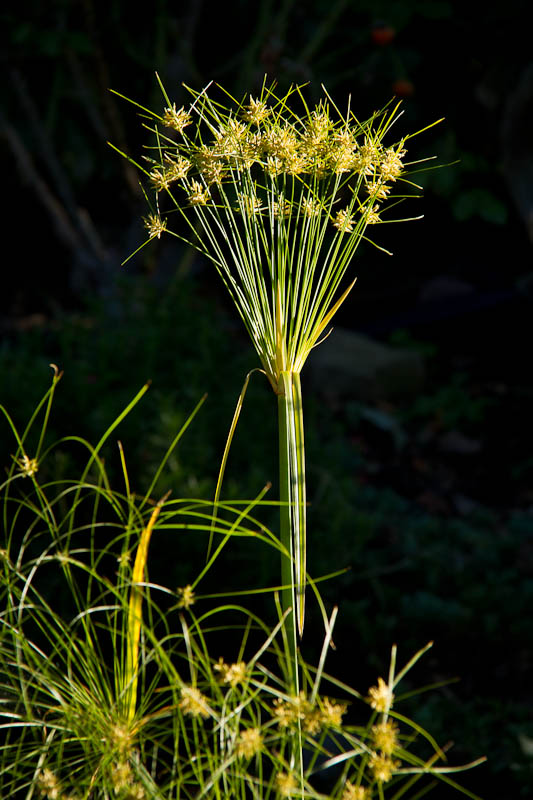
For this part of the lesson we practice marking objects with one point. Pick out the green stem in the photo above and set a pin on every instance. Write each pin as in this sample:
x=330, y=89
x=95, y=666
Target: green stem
x=292, y=510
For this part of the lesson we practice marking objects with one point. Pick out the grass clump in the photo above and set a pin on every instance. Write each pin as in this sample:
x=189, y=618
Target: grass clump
x=116, y=685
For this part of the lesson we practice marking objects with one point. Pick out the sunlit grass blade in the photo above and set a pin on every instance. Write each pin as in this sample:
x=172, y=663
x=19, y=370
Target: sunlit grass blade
x=135, y=614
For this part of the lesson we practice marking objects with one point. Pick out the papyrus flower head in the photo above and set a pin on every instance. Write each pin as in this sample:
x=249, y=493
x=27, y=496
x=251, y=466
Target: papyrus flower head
x=331, y=712
x=255, y=111
x=27, y=466
x=353, y=792
x=372, y=216
x=49, y=785
x=344, y=221
x=380, y=697
x=232, y=674
x=249, y=743
x=176, y=118
x=177, y=167
x=391, y=164
x=198, y=194
x=382, y=767
x=186, y=596
x=310, y=207
x=286, y=783
x=155, y=225
x=193, y=702
x=385, y=737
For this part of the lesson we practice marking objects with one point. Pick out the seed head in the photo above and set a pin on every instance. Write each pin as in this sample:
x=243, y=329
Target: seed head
x=312, y=718
x=372, y=217
x=288, y=712
x=186, y=596
x=177, y=168
x=176, y=118
x=331, y=713
x=208, y=162
x=249, y=743
x=316, y=131
x=286, y=784
x=136, y=792
x=155, y=225
x=160, y=179
x=378, y=190
x=391, y=165
x=121, y=776
x=231, y=673
x=385, y=737
x=256, y=111
x=193, y=702
x=380, y=697
x=382, y=767
x=282, y=209
x=342, y=158
x=28, y=466
x=344, y=221
x=274, y=166
x=250, y=204
x=310, y=207
x=49, y=785
x=120, y=738
x=230, y=140
x=280, y=142
x=351, y=792
x=199, y=195
x=366, y=158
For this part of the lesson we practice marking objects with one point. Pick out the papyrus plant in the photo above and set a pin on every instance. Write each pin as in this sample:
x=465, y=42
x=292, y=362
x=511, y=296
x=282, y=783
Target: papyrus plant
x=278, y=196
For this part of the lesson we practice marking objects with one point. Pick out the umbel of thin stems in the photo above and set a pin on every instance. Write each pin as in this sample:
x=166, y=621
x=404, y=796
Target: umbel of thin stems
x=278, y=196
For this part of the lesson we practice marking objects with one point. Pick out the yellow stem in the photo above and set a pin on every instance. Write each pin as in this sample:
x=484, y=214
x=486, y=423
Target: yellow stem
x=135, y=613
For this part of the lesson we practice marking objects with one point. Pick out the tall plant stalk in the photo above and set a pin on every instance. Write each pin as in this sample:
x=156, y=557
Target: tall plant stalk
x=292, y=497
x=278, y=199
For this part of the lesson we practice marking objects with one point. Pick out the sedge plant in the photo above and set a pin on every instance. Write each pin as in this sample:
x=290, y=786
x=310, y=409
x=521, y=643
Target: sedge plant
x=278, y=196
x=113, y=685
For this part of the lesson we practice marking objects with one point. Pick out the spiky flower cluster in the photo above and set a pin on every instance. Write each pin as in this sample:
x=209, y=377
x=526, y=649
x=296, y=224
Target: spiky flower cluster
x=312, y=717
x=382, y=767
x=155, y=225
x=249, y=743
x=124, y=784
x=286, y=783
x=28, y=466
x=327, y=158
x=48, y=785
x=354, y=792
x=381, y=696
x=193, y=702
x=231, y=674
x=186, y=596
x=385, y=737
x=176, y=118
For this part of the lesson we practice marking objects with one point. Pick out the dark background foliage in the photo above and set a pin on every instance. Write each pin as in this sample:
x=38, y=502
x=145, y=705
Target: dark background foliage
x=427, y=496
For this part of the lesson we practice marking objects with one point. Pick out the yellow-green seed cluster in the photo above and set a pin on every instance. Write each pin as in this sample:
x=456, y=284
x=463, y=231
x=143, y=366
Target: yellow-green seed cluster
x=312, y=717
x=259, y=143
